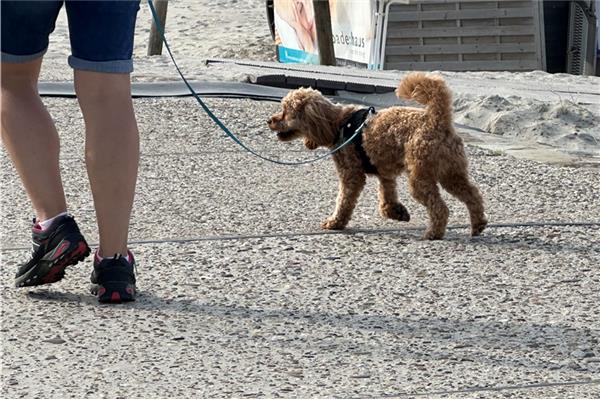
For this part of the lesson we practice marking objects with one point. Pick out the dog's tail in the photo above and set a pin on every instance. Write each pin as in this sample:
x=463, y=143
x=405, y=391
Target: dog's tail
x=429, y=90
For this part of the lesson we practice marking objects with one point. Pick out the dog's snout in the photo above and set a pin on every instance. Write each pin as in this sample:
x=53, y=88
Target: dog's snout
x=269, y=121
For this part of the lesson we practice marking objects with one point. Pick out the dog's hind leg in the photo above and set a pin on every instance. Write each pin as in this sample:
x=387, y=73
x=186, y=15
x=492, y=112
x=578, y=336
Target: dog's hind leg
x=389, y=206
x=424, y=189
x=349, y=191
x=457, y=183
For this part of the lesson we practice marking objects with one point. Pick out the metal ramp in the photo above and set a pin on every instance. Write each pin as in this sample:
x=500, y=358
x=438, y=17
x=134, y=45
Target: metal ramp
x=325, y=78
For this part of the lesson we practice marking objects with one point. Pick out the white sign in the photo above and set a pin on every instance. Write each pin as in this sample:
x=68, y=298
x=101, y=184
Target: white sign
x=352, y=26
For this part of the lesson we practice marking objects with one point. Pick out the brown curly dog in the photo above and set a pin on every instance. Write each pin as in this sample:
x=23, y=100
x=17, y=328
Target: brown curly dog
x=421, y=142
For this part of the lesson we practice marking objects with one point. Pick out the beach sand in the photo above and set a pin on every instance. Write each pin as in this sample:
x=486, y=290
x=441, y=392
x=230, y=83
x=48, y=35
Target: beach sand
x=196, y=30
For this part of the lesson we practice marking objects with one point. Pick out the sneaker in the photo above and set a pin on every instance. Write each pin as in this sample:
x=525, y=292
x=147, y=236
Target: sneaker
x=113, y=279
x=54, y=249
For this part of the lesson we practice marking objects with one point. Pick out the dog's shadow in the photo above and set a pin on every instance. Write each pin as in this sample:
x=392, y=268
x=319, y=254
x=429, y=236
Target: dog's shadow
x=496, y=237
x=493, y=236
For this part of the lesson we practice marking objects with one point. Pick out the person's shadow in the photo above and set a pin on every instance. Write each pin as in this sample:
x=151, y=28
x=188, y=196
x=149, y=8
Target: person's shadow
x=464, y=340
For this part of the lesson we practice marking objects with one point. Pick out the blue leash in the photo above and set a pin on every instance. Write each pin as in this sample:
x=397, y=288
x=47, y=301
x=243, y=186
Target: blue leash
x=212, y=116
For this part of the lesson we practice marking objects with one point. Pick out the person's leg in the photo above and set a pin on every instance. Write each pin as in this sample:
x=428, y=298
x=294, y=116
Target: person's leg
x=101, y=34
x=28, y=132
x=32, y=142
x=111, y=152
x=30, y=138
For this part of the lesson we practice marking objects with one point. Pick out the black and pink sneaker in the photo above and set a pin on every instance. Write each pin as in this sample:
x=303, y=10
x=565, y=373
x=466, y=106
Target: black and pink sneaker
x=55, y=248
x=113, y=279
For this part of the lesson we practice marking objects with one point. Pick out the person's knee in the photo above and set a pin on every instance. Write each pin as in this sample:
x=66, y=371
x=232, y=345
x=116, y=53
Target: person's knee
x=20, y=78
x=95, y=86
x=18, y=82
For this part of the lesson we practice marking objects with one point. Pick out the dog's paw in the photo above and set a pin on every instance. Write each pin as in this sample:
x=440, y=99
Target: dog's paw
x=333, y=224
x=397, y=212
x=477, y=228
x=433, y=235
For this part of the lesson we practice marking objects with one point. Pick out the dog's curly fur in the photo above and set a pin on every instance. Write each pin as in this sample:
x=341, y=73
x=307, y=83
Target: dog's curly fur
x=420, y=142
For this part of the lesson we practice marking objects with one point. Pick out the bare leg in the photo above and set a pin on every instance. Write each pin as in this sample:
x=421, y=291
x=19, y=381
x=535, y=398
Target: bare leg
x=389, y=206
x=425, y=190
x=111, y=152
x=30, y=138
x=348, y=194
x=458, y=185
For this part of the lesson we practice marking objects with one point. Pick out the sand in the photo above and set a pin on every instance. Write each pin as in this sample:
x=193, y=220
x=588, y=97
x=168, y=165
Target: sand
x=563, y=111
x=564, y=124
x=197, y=30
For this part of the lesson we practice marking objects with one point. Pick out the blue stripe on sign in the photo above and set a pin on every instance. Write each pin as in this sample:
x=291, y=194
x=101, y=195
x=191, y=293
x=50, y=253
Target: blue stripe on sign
x=291, y=56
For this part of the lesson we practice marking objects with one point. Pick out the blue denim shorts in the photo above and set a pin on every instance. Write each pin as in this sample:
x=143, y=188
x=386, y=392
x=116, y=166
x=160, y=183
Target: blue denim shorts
x=101, y=32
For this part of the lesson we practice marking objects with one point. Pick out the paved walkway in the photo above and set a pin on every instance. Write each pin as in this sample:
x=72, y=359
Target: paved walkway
x=243, y=296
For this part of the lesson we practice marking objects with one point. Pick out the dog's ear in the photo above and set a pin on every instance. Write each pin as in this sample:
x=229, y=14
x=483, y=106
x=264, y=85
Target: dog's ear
x=311, y=145
x=316, y=119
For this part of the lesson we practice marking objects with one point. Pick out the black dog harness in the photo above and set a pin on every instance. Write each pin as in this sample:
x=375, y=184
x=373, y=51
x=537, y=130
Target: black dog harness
x=349, y=128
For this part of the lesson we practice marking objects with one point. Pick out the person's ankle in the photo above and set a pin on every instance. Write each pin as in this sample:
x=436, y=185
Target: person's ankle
x=44, y=223
x=99, y=257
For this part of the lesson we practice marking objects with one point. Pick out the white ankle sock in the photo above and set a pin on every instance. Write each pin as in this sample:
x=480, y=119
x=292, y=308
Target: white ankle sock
x=46, y=223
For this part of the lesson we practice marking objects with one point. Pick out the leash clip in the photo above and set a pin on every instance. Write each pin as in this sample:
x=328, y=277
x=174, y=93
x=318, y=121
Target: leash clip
x=370, y=114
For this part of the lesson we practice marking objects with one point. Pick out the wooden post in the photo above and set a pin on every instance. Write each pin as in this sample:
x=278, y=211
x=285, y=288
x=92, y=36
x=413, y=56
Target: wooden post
x=155, y=42
x=324, y=35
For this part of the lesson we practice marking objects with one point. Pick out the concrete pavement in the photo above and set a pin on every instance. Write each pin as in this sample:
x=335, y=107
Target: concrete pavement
x=242, y=295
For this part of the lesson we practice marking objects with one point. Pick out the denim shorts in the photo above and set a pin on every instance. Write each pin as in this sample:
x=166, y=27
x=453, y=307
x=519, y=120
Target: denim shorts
x=101, y=32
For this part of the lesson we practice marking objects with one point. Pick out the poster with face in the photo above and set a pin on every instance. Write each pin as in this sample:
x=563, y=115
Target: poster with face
x=352, y=25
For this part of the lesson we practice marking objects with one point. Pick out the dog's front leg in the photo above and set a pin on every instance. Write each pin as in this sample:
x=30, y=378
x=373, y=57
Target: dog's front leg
x=349, y=191
x=389, y=206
